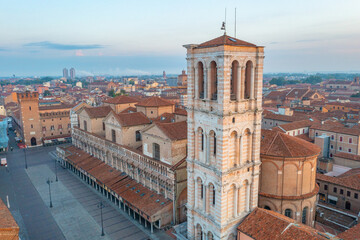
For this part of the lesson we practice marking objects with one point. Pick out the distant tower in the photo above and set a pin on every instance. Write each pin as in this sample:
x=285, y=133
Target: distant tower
x=72, y=73
x=65, y=73
x=224, y=130
x=357, y=80
x=164, y=75
x=182, y=79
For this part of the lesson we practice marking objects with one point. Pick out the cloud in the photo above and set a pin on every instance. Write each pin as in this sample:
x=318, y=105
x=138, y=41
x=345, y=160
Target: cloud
x=59, y=46
x=308, y=40
x=79, y=53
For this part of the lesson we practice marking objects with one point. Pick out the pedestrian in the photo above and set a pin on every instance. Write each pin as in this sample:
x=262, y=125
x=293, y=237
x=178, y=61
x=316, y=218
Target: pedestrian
x=11, y=148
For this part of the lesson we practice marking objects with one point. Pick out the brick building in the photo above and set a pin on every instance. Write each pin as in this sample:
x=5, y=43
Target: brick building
x=37, y=124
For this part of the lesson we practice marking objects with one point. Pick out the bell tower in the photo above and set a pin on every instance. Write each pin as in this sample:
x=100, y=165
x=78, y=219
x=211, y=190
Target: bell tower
x=224, y=126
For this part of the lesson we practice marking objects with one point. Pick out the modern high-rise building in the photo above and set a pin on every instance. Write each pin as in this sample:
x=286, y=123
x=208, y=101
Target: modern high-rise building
x=224, y=132
x=72, y=73
x=65, y=73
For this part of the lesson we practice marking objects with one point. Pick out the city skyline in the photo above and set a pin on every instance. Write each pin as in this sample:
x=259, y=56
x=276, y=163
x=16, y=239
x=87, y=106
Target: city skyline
x=123, y=38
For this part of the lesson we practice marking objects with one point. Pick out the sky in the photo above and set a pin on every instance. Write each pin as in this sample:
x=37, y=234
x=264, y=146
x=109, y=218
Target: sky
x=40, y=38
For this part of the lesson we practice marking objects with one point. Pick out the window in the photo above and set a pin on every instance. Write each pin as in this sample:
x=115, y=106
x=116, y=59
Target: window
x=356, y=196
x=348, y=193
x=60, y=127
x=316, y=134
x=44, y=129
x=202, y=191
x=288, y=213
x=318, y=184
x=113, y=135
x=30, y=108
x=85, y=125
x=202, y=141
x=331, y=146
x=347, y=205
x=340, y=148
x=332, y=137
x=138, y=136
x=341, y=191
x=214, y=145
x=350, y=140
x=233, y=120
x=267, y=207
x=103, y=126
x=213, y=196
x=341, y=139
x=325, y=187
x=303, y=130
x=156, y=151
x=304, y=215
x=69, y=125
x=32, y=126
x=335, y=190
x=349, y=150
x=52, y=127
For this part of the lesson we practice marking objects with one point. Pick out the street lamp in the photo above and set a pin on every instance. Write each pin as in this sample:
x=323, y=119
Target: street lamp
x=49, y=182
x=56, y=171
x=25, y=157
x=101, y=205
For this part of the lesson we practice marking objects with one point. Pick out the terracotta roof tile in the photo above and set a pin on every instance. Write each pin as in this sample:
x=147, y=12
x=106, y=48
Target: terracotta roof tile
x=349, y=179
x=180, y=111
x=351, y=234
x=98, y=112
x=175, y=131
x=225, y=40
x=274, y=143
x=263, y=224
x=335, y=127
x=7, y=221
x=132, y=119
x=60, y=106
x=154, y=102
x=121, y=100
x=129, y=110
x=347, y=155
x=296, y=125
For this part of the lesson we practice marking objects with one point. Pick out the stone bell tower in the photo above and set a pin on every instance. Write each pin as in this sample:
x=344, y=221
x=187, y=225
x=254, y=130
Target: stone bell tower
x=224, y=126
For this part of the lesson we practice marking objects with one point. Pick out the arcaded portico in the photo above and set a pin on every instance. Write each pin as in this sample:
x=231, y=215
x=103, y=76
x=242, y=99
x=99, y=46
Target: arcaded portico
x=288, y=174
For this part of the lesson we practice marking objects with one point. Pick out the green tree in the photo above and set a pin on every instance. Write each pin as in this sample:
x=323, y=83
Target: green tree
x=111, y=93
x=47, y=93
x=280, y=81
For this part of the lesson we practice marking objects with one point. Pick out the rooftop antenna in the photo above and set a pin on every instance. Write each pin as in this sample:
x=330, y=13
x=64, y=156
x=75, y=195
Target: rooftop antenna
x=223, y=26
x=235, y=23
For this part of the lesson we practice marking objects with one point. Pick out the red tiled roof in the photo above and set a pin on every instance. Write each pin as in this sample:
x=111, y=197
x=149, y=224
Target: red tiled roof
x=7, y=221
x=274, y=143
x=128, y=110
x=132, y=119
x=347, y=156
x=175, y=131
x=134, y=193
x=98, y=112
x=262, y=224
x=349, y=179
x=225, y=40
x=351, y=234
x=334, y=127
x=154, y=102
x=121, y=100
x=295, y=125
x=53, y=107
x=180, y=111
x=165, y=117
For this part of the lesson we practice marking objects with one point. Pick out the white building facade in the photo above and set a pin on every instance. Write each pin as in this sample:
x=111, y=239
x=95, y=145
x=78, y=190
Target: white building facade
x=224, y=127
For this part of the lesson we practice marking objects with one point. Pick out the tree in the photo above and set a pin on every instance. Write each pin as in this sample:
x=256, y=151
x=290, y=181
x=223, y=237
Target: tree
x=313, y=79
x=356, y=95
x=111, y=93
x=278, y=81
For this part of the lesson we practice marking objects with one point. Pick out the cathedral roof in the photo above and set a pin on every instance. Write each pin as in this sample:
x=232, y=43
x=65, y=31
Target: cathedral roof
x=225, y=40
x=277, y=144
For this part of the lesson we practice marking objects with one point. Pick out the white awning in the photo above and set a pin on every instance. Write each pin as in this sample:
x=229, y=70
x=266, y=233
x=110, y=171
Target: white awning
x=332, y=198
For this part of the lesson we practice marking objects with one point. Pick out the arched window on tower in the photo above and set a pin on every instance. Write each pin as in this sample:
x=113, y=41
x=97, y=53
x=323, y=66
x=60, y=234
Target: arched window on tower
x=304, y=215
x=201, y=82
x=248, y=78
x=213, y=81
x=288, y=213
x=234, y=81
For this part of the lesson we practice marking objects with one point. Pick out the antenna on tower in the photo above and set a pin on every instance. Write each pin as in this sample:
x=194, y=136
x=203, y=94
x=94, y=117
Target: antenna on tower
x=235, y=23
x=223, y=26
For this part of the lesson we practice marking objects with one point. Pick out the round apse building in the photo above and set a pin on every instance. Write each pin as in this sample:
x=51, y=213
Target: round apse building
x=288, y=176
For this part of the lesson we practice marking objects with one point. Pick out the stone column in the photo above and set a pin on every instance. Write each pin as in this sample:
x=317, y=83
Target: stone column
x=247, y=197
x=242, y=82
x=196, y=194
x=204, y=197
x=196, y=83
x=238, y=84
x=237, y=150
x=207, y=196
x=208, y=83
x=205, y=82
x=241, y=150
x=236, y=202
x=252, y=90
x=207, y=148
